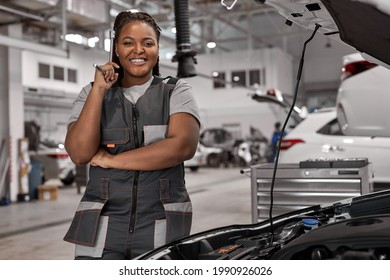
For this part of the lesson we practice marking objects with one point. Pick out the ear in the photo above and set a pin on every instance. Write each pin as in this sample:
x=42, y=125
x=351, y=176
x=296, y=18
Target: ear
x=116, y=51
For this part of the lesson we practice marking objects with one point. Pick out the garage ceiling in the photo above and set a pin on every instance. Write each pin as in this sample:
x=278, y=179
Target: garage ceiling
x=248, y=25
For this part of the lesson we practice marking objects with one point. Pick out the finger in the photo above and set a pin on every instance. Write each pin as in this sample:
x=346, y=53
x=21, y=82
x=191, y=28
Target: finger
x=115, y=78
x=109, y=73
x=115, y=65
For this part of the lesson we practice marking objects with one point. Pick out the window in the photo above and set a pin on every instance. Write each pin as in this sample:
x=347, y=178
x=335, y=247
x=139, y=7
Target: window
x=257, y=76
x=331, y=128
x=59, y=73
x=262, y=75
x=44, y=70
x=254, y=77
x=72, y=75
x=219, y=79
x=238, y=78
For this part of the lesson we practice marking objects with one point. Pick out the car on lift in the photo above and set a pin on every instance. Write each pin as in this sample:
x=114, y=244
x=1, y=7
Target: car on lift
x=353, y=228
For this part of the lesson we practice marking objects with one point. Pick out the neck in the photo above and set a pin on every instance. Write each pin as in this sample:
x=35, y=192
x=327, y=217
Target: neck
x=129, y=81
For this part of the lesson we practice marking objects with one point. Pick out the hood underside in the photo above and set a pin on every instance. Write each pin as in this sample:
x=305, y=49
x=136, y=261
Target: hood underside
x=363, y=26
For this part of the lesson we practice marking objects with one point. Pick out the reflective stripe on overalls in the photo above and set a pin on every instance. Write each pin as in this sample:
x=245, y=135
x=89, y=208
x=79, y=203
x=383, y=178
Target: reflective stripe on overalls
x=132, y=212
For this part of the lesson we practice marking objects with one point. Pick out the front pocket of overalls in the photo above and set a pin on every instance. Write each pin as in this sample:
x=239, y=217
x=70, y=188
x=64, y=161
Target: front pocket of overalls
x=178, y=213
x=85, y=223
x=178, y=220
x=84, y=227
x=95, y=251
x=113, y=139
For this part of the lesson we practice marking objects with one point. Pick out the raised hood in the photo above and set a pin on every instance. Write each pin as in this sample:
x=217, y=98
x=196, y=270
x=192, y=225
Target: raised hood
x=358, y=23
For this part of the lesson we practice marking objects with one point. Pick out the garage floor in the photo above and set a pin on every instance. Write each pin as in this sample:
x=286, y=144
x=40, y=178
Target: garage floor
x=34, y=230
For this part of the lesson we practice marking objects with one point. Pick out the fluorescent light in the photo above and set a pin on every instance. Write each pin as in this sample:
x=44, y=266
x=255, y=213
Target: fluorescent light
x=92, y=41
x=74, y=38
x=107, y=45
x=211, y=45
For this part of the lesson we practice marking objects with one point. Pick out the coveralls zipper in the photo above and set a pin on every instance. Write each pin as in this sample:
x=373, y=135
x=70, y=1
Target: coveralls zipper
x=136, y=173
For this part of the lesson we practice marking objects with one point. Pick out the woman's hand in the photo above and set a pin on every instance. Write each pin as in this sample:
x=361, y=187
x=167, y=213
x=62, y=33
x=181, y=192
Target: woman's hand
x=101, y=158
x=105, y=75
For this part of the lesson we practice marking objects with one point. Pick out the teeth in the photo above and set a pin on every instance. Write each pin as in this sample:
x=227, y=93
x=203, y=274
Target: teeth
x=138, y=60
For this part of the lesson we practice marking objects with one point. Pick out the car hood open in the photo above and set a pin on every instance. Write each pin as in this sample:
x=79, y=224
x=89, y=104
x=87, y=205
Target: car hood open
x=335, y=236
x=358, y=23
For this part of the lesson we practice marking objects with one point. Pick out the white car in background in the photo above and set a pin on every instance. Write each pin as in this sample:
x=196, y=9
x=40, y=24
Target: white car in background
x=319, y=136
x=204, y=156
x=363, y=98
x=359, y=127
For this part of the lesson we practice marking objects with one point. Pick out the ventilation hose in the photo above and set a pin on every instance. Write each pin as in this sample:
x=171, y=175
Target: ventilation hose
x=184, y=55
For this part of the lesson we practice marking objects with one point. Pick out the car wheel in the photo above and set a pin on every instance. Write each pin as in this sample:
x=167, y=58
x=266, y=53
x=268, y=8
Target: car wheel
x=213, y=160
x=69, y=179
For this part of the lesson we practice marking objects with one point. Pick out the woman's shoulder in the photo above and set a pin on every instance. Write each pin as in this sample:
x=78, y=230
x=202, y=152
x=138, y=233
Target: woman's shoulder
x=87, y=87
x=180, y=84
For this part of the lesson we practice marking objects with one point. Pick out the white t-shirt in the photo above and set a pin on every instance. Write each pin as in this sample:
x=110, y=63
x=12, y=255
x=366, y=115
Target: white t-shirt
x=182, y=99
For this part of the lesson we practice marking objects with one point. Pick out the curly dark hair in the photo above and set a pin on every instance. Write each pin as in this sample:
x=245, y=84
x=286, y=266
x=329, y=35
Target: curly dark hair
x=128, y=16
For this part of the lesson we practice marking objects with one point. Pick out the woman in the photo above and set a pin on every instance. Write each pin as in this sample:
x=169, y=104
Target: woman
x=135, y=129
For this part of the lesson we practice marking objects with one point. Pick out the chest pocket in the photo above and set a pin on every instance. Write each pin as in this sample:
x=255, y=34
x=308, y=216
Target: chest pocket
x=154, y=133
x=115, y=140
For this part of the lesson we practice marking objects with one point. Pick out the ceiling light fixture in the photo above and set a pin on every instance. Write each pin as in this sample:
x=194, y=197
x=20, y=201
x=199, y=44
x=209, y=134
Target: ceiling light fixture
x=211, y=45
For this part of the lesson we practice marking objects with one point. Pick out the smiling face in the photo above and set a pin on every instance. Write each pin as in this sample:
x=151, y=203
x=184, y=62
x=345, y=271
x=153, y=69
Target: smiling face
x=137, y=50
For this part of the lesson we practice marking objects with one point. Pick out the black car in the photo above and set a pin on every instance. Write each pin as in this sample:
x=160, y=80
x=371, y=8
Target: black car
x=355, y=228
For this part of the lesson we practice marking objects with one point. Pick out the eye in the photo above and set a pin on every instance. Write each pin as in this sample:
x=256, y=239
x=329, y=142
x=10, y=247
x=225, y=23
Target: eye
x=149, y=44
x=127, y=43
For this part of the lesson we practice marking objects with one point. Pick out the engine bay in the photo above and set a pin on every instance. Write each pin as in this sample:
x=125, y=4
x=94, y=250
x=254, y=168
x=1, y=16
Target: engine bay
x=356, y=228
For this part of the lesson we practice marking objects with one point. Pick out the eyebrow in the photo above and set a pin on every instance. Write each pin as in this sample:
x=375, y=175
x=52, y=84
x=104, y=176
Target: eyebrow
x=143, y=39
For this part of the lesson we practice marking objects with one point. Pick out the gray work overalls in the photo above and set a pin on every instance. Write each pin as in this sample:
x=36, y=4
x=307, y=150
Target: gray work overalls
x=132, y=212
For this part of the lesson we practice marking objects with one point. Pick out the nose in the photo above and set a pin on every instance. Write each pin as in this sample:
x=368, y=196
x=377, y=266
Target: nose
x=138, y=48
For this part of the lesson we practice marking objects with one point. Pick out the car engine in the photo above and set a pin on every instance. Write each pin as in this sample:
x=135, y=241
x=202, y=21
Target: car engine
x=356, y=228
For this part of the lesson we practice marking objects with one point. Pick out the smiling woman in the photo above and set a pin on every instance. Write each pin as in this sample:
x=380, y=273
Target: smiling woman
x=136, y=129
x=136, y=51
